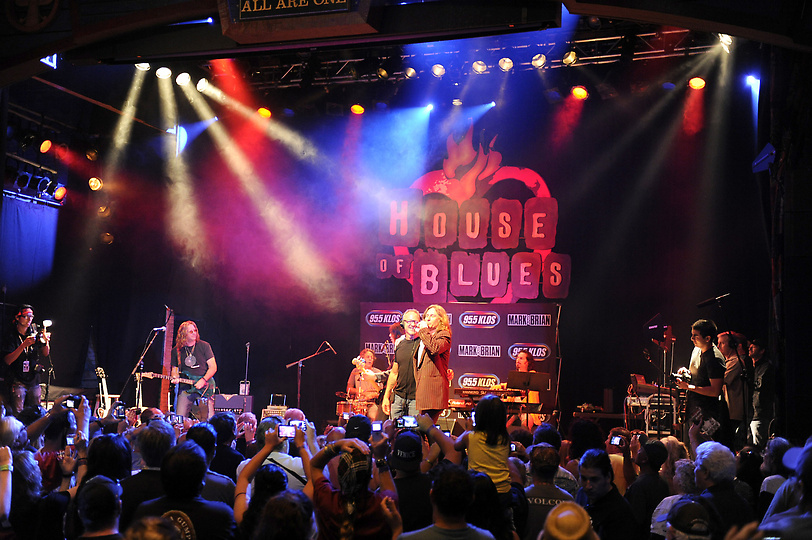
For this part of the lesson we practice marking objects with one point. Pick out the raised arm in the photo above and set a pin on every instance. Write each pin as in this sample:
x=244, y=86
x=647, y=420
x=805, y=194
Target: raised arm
x=248, y=472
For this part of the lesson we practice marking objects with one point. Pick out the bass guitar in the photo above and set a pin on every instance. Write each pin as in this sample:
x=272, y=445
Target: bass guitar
x=205, y=392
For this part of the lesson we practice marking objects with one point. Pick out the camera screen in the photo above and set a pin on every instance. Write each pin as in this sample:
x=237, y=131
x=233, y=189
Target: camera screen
x=616, y=440
x=285, y=431
x=377, y=425
x=70, y=403
x=301, y=424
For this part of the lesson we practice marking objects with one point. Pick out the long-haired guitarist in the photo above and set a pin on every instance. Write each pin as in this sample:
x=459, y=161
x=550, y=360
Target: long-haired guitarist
x=192, y=358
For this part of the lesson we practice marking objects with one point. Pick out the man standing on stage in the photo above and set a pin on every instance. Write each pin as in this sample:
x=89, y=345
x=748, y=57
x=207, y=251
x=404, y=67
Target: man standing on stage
x=401, y=377
x=763, y=393
x=431, y=362
x=707, y=372
x=22, y=349
x=193, y=359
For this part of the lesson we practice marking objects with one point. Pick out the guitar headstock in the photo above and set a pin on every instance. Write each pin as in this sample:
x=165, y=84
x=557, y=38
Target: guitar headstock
x=100, y=373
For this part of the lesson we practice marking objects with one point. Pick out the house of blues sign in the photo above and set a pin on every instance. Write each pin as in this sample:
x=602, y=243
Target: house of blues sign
x=440, y=228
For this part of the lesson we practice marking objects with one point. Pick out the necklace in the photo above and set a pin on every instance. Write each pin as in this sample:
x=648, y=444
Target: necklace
x=190, y=355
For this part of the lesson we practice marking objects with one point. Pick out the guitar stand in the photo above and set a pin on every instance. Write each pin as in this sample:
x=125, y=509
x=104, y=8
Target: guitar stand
x=139, y=366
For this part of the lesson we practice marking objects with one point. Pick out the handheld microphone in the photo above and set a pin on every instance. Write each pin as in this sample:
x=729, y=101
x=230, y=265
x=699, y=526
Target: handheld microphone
x=713, y=300
x=159, y=329
x=248, y=346
x=331, y=347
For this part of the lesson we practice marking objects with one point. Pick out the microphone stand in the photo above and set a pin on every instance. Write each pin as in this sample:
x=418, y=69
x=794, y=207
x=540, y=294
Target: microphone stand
x=299, y=363
x=245, y=385
x=139, y=366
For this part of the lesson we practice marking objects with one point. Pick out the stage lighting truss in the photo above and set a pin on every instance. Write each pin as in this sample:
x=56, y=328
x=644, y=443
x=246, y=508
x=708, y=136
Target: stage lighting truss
x=36, y=187
x=273, y=72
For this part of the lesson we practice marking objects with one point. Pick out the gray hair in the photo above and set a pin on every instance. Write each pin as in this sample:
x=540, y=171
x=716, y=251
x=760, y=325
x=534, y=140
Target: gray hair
x=684, y=477
x=717, y=460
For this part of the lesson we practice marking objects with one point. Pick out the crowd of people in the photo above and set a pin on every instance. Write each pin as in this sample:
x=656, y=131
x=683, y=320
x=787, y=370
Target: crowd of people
x=66, y=474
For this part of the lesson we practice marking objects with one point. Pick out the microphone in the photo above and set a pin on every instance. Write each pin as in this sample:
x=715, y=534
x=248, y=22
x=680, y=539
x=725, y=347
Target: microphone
x=159, y=329
x=168, y=308
x=331, y=348
x=247, y=345
x=713, y=300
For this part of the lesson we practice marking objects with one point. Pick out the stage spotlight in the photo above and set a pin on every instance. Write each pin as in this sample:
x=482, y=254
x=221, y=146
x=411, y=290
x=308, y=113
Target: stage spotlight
x=726, y=41
x=163, y=72
x=438, y=70
x=357, y=109
x=538, y=61
x=430, y=107
x=457, y=102
x=569, y=58
x=43, y=184
x=92, y=154
x=264, y=112
x=669, y=86
x=27, y=140
x=95, y=183
x=479, y=67
x=492, y=104
x=594, y=22
x=382, y=73
x=752, y=80
x=143, y=66
x=183, y=79
x=202, y=84
x=288, y=112
x=104, y=211
x=505, y=64
x=106, y=238
x=579, y=92
x=696, y=83
x=22, y=180
x=60, y=192
x=45, y=146
x=410, y=73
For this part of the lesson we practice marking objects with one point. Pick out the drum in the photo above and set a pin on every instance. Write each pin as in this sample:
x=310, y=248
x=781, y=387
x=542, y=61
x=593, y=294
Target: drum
x=344, y=407
x=361, y=407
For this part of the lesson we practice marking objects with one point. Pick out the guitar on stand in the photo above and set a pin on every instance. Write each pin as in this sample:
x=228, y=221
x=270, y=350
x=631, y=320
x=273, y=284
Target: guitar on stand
x=205, y=392
x=105, y=400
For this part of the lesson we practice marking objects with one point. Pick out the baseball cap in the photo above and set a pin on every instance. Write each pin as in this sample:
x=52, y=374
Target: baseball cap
x=407, y=451
x=358, y=427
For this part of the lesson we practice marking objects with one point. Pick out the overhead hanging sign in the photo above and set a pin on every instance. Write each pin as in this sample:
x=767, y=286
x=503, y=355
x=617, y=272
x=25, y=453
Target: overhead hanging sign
x=251, y=10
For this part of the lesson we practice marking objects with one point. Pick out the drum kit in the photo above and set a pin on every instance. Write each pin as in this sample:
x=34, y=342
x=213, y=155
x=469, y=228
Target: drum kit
x=351, y=406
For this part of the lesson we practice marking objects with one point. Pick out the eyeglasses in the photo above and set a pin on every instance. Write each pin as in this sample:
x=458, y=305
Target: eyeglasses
x=26, y=316
x=411, y=322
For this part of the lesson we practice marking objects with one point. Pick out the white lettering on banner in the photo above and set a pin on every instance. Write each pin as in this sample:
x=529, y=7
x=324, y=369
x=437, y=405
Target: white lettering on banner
x=504, y=230
x=399, y=266
x=395, y=216
x=383, y=317
x=486, y=351
x=379, y=348
x=428, y=279
x=479, y=319
x=529, y=319
x=478, y=380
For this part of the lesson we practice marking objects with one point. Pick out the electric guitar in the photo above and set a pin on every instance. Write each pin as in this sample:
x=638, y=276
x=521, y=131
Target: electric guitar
x=206, y=391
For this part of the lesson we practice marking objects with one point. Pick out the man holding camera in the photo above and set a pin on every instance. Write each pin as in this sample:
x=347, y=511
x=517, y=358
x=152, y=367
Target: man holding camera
x=22, y=349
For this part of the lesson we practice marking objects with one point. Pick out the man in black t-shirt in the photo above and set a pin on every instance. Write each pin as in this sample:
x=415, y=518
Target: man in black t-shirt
x=192, y=358
x=707, y=373
x=399, y=396
x=21, y=351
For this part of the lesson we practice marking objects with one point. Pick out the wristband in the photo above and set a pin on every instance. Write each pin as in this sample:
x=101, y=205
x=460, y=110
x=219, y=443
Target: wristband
x=330, y=449
x=382, y=464
x=9, y=467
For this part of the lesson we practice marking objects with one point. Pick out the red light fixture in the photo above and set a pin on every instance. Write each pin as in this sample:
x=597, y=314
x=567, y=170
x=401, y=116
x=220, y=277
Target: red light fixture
x=45, y=146
x=264, y=113
x=357, y=109
x=60, y=193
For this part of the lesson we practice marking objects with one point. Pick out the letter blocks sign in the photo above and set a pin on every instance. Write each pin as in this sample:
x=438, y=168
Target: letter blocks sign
x=525, y=274
x=474, y=218
x=398, y=266
x=430, y=283
x=400, y=218
x=540, y=220
x=506, y=223
x=440, y=227
x=556, y=275
x=464, y=274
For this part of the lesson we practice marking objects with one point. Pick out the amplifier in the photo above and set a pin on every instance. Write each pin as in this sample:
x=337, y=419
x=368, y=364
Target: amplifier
x=234, y=403
x=274, y=410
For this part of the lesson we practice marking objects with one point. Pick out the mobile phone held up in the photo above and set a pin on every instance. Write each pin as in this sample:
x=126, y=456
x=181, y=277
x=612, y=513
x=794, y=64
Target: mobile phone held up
x=285, y=432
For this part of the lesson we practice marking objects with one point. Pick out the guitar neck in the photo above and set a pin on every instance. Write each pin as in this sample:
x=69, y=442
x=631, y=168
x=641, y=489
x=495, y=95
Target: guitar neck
x=151, y=375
